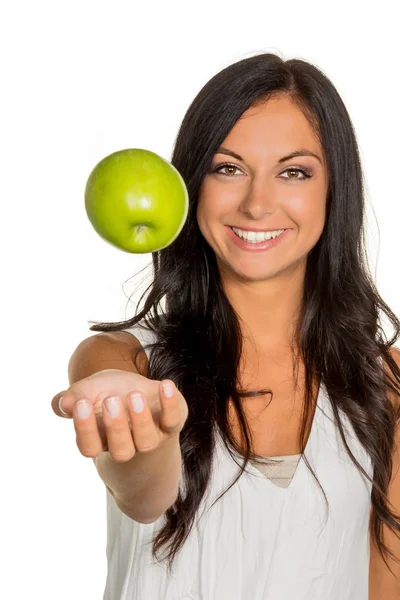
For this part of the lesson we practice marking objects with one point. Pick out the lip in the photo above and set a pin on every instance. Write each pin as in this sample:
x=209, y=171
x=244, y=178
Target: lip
x=252, y=247
x=257, y=228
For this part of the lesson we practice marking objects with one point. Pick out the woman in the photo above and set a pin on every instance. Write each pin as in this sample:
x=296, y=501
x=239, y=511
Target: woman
x=275, y=343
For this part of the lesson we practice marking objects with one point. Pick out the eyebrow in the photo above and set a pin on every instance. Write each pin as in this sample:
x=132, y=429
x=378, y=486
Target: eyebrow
x=302, y=152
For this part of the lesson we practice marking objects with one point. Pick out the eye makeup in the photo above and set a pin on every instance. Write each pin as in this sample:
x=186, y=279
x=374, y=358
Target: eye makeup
x=306, y=173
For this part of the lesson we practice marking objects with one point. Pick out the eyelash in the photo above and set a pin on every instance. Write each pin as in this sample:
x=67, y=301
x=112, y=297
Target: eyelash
x=306, y=173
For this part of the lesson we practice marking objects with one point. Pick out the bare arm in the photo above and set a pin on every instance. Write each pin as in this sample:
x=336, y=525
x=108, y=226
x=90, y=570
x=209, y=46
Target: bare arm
x=385, y=583
x=145, y=486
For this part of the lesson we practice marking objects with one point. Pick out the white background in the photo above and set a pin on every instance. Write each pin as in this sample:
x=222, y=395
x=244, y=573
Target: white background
x=81, y=80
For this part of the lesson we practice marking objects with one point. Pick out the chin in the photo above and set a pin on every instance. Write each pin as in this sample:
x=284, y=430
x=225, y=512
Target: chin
x=248, y=275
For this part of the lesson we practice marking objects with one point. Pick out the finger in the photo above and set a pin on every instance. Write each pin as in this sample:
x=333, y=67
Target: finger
x=57, y=406
x=88, y=438
x=171, y=414
x=146, y=435
x=101, y=430
x=119, y=436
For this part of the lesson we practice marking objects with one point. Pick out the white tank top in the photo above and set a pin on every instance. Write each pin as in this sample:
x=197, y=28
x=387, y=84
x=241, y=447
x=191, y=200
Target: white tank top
x=261, y=540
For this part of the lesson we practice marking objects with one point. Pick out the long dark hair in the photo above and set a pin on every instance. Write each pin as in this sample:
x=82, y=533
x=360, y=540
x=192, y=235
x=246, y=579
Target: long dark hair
x=339, y=334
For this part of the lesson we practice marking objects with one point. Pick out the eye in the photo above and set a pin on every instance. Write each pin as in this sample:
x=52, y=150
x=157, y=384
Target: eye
x=304, y=172
x=224, y=166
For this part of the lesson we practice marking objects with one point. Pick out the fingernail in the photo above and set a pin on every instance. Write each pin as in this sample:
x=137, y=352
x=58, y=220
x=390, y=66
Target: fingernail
x=113, y=406
x=83, y=409
x=168, y=388
x=136, y=402
x=61, y=408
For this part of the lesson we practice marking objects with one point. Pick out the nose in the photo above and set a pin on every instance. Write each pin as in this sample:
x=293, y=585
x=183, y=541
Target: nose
x=258, y=202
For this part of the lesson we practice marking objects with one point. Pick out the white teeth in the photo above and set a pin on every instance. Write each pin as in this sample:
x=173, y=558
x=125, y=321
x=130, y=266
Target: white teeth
x=257, y=236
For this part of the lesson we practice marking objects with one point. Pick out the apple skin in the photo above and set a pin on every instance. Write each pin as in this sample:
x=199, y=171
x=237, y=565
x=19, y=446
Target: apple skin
x=136, y=200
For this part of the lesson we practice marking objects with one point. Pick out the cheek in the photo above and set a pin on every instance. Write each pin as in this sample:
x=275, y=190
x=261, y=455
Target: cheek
x=307, y=212
x=216, y=199
x=208, y=209
x=202, y=211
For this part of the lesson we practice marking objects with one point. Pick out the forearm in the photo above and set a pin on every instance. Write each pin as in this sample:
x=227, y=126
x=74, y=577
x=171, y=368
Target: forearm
x=147, y=485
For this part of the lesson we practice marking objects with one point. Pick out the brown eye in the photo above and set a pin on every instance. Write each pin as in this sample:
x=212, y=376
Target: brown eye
x=226, y=166
x=233, y=168
x=305, y=174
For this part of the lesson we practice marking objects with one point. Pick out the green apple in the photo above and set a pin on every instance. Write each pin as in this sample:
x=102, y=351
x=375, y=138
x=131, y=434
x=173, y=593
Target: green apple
x=136, y=201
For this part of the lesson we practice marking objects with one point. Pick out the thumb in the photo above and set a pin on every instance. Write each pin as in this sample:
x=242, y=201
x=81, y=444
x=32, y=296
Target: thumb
x=56, y=405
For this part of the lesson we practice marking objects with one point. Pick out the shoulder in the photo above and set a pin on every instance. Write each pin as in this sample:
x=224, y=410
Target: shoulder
x=106, y=350
x=127, y=345
x=395, y=354
x=121, y=337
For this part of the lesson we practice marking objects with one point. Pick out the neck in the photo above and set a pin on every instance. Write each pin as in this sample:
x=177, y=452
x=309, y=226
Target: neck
x=268, y=310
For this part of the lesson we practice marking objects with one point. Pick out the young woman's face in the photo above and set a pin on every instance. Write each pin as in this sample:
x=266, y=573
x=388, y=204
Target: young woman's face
x=261, y=192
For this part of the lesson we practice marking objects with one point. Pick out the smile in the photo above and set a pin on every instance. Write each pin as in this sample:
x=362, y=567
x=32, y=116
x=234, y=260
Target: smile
x=252, y=244
x=257, y=236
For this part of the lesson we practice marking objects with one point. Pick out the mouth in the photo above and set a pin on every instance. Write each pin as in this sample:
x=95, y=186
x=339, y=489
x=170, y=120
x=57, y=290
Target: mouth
x=258, y=229
x=253, y=245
